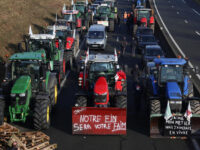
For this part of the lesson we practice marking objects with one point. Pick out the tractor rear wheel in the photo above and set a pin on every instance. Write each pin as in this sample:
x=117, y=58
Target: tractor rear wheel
x=195, y=106
x=121, y=101
x=155, y=107
x=111, y=25
x=81, y=101
x=2, y=107
x=41, y=114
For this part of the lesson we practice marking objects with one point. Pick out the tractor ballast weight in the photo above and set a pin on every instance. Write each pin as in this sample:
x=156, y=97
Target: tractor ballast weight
x=143, y=17
x=174, y=111
x=101, y=103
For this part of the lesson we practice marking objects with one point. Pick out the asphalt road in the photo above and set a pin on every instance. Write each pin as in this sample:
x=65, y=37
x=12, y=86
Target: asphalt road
x=137, y=137
x=182, y=18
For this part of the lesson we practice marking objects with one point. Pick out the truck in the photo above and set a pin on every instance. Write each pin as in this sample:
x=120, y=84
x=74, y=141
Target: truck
x=29, y=90
x=174, y=110
x=102, y=97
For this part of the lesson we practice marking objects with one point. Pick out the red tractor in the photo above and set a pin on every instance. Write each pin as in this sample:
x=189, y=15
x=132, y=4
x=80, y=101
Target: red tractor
x=143, y=17
x=102, y=95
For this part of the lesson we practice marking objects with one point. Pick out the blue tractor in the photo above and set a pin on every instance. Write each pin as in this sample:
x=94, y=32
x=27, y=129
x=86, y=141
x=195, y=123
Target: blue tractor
x=174, y=111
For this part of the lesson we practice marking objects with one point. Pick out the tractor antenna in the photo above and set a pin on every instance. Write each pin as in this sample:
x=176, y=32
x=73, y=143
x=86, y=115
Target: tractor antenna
x=64, y=7
x=70, y=18
x=72, y=3
x=30, y=31
x=56, y=17
x=115, y=54
x=86, y=2
x=74, y=34
x=54, y=30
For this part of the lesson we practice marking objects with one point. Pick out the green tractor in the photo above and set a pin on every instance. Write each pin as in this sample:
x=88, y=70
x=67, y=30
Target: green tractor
x=54, y=54
x=84, y=13
x=105, y=16
x=28, y=90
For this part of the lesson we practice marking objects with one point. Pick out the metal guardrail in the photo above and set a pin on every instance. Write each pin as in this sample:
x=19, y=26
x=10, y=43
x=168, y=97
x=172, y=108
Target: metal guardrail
x=173, y=45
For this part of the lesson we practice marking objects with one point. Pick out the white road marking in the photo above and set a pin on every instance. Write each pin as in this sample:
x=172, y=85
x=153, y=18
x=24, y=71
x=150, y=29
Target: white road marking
x=185, y=21
x=177, y=13
x=197, y=33
x=177, y=46
x=172, y=6
x=196, y=12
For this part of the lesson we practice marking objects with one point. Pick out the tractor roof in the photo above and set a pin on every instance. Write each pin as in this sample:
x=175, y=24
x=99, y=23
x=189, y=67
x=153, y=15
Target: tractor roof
x=59, y=27
x=153, y=47
x=42, y=36
x=101, y=58
x=74, y=12
x=170, y=61
x=38, y=55
x=143, y=9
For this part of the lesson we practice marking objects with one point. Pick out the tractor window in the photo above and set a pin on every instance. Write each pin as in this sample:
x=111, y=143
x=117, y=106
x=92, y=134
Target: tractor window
x=80, y=8
x=96, y=34
x=154, y=52
x=147, y=39
x=103, y=10
x=143, y=14
x=68, y=17
x=171, y=73
x=101, y=67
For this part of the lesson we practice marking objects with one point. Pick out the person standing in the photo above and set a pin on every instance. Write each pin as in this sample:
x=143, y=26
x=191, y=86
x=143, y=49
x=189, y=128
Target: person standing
x=125, y=17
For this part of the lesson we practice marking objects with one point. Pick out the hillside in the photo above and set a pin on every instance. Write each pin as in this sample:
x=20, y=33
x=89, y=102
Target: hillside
x=17, y=15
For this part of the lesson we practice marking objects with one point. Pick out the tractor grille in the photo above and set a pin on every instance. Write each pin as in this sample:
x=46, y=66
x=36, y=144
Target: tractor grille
x=100, y=98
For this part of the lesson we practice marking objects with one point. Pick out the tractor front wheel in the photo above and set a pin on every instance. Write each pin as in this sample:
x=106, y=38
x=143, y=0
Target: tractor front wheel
x=41, y=114
x=81, y=101
x=54, y=92
x=121, y=101
x=2, y=107
x=155, y=107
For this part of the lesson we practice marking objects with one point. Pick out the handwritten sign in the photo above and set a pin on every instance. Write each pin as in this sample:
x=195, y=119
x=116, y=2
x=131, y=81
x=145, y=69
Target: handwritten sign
x=101, y=121
x=177, y=126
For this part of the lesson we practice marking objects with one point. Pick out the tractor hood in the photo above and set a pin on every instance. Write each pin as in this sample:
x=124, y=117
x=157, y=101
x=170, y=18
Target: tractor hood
x=101, y=86
x=21, y=85
x=173, y=90
x=69, y=42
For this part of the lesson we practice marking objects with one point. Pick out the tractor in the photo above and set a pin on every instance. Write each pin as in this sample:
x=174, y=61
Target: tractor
x=54, y=54
x=105, y=16
x=29, y=90
x=74, y=18
x=174, y=111
x=67, y=40
x=103, y=92
x=112, y=4
x=143, y=17
x=85, y=14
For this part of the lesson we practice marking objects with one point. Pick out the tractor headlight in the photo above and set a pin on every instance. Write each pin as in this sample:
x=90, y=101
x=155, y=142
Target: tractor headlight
x=13, y=95
x=22, y=95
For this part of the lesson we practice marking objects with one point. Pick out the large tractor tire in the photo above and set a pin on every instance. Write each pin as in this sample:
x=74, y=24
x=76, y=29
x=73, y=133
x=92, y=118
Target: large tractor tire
x=111, y=26
x=53, y=89
x=121, y=101
x=155, y=107
x=195, y=106
x=135, y=26
x=41, y=114
x=81, y=101
x=2, y=107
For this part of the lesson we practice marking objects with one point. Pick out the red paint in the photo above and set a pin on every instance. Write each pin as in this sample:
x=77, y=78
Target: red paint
x=78, y=23
x=69, y=42
x=151, y=20
x=98, y=121
x=57, y=43
x=144, y=20
x=81, y=81
x=135, y=20
x=119, y=83
x=64, y=69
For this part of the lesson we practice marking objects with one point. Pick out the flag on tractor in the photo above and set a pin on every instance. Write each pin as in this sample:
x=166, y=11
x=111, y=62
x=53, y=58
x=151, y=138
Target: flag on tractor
x=188, y=113
x=168, y=113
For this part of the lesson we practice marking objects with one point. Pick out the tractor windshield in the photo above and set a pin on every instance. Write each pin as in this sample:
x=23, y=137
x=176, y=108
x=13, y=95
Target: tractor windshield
x=103, y=10
x=35, y=45
x=143, y=14
x=30, y=68
x=96, y=34
x=171, y=73
x=68, y=17
x=154, y=52
x=101, y=67
x=80, y=8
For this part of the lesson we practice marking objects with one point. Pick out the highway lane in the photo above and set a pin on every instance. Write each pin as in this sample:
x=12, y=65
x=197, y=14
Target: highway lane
x=138, y=127
x=182, y=18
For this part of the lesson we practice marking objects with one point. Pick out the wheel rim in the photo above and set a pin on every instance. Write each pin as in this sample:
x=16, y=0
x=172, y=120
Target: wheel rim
x=48, y=110
x=56, y=94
